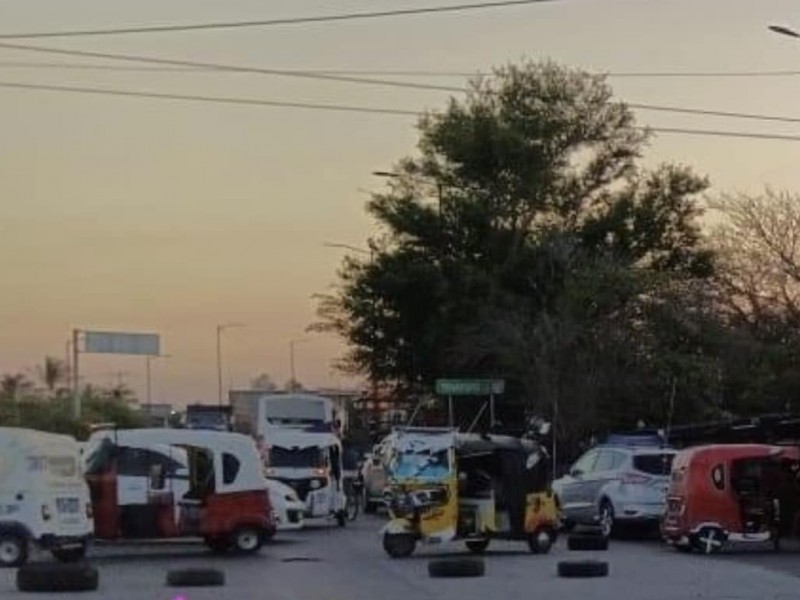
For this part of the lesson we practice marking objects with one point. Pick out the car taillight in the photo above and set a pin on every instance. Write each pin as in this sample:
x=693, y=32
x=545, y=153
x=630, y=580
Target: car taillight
x=634, y=478
x=46, y=514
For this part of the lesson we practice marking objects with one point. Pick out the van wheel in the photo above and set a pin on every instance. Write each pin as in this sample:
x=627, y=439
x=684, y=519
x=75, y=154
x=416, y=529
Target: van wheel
x=69, y=555
x=399, y=545
x=709, y=540
x=13, y=550
x=248, y=540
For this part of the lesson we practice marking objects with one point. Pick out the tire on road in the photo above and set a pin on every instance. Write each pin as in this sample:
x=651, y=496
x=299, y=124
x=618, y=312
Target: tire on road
x=57, y=577
x=456, y=567
x=477, y=546
x=248, y=539
x=195, y=578
x=582, y=568
x=399, y=545
x=13, y=549
x=578, y=541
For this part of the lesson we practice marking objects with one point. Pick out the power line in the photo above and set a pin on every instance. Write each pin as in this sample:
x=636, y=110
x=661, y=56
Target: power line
x=352, y=80
x=200, y=98
x=400, y=12
x=392, y=72
x=341, y=108
x=231, y=68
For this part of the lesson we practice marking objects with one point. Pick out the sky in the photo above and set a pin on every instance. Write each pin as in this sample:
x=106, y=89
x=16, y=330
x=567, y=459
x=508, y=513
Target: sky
x=171, y=217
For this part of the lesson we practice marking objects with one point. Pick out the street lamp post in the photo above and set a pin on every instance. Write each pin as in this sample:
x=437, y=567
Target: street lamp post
x=220, y=329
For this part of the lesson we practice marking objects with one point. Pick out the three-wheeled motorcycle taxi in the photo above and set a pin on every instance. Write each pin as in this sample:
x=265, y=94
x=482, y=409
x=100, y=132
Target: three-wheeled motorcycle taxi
x=448, y=486
x=167, y=483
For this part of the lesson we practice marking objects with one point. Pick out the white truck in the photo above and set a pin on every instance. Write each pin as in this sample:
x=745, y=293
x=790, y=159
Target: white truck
x=44, y=500
x=254, y=412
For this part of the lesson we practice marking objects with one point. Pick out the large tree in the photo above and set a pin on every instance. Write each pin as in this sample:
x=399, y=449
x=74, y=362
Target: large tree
x=542, y=237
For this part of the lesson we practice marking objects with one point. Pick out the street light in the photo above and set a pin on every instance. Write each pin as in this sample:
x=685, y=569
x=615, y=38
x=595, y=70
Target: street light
x=149, y=384
x=292, y=344
x=784, y=30
x=220, y=329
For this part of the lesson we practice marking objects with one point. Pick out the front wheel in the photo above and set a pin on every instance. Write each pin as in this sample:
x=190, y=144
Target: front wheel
x=541, y=540
x=606, y=518
x=399, y=545
x=69, y=555
x=248, y=540
x=709, y=540
x=13, y=550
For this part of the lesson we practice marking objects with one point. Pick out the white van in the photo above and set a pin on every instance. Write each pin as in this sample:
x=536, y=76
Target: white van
x=44, y=500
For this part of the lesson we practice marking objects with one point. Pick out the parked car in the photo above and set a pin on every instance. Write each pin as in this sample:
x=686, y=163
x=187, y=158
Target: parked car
x=611, y=485
x=373, y=473
x=286, y=505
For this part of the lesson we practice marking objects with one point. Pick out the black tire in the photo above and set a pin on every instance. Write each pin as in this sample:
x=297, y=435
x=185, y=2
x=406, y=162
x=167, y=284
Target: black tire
x=709, y=540
x=55, y=577
x=582, y=568
x=69, y=555
x=456, y=567
x=605, y=517
x=399, y=545
x=13, y=550
x=195, y=578
x=542, y=540
x=218, y=545
x=477, y=546
x=341, y=518
x=247, y=539
x=577, y=541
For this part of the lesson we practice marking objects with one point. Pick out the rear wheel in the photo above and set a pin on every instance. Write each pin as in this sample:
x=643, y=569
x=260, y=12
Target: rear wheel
x=248, y=540
x=477, y=546
x=69, y=555
x=709, y=540
x=399, y=545
x=13, y=550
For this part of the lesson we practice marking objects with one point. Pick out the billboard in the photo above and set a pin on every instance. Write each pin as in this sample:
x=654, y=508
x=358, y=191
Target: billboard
x=108, y=342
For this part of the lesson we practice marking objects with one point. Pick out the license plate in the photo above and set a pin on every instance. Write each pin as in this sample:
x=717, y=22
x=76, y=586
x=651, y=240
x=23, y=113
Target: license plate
x=68, y=505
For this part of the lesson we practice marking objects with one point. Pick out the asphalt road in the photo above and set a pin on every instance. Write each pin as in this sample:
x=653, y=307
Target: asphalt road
x=327, y=563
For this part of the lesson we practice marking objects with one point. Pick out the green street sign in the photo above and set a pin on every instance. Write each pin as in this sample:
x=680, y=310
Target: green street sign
x=470, y=387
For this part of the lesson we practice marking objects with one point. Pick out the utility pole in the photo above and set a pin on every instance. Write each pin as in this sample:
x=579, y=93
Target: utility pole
x=220, y=329
x=76, y=398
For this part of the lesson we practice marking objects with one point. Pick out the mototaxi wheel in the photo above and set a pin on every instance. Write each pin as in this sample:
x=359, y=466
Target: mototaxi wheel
x=399, y=545
x=247, y=539
x=541, y=540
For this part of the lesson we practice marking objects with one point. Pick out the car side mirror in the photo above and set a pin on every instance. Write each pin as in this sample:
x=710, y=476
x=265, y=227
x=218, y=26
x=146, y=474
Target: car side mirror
x=575, y=472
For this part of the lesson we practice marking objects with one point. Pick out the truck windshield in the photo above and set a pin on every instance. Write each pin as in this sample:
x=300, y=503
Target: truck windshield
x=296, y=457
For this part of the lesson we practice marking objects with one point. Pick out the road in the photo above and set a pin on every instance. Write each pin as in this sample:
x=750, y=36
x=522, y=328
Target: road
x=327, y=563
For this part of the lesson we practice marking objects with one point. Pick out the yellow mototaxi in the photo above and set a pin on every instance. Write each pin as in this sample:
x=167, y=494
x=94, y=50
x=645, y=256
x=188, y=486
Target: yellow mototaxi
x=448, y=486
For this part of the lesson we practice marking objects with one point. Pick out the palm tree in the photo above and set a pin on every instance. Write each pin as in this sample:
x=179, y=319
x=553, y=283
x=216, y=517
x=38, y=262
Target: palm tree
x=52, y=372
x=12, y=385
